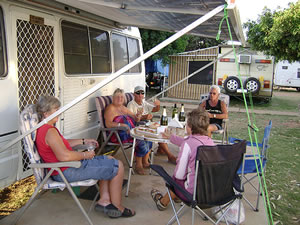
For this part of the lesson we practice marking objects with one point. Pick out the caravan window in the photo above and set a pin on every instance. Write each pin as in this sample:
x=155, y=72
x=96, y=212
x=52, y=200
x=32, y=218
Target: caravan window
x=203, y=77
x=76, y=48
x=100, y=51
x=3, y=66
x=86, y=50
x=134, y=53
x=125, y=51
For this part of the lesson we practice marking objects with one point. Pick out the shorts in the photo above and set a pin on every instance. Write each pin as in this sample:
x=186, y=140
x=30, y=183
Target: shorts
x=98, y=168
x=218, y=126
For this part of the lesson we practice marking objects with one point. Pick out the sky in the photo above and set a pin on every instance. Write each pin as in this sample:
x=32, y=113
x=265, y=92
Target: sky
x=250, y=9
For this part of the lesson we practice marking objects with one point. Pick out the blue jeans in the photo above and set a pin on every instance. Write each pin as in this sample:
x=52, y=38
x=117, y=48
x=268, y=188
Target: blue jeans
x=98, y=168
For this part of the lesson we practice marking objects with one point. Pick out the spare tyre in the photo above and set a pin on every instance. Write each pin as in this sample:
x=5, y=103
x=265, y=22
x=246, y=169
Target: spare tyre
x=231, y=84
x=252, y=85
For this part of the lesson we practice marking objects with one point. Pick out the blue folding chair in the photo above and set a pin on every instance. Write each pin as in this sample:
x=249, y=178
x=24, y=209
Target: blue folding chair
x=252, y=160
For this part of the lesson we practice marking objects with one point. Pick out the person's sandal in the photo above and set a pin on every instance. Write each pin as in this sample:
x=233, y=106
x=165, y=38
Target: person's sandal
x=156, y=196
x=112, y=211
x=127, y=213
x=139, y=171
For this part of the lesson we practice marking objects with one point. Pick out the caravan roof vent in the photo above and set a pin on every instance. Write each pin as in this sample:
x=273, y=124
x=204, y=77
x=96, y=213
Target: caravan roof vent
x=245, y=59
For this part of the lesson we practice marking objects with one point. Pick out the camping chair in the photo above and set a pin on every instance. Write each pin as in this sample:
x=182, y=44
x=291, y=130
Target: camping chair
x=105, y=133
x=216, y=168
x=224, y=131
x=251, y=161
x=28, y=119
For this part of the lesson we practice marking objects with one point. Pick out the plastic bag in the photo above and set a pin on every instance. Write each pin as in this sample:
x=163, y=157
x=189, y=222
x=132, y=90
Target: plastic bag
x=232, y=214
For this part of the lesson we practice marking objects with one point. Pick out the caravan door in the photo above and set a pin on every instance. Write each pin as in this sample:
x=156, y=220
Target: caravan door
x=31, y=73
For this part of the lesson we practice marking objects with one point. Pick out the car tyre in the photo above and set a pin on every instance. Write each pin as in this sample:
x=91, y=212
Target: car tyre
x=231, y=84
x=252, y=85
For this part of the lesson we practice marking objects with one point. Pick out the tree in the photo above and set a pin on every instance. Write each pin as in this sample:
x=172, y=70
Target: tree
x=276, y=33
x=151, y=38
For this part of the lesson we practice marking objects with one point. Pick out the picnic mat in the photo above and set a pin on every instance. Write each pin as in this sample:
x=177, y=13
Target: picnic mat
x=90, y=192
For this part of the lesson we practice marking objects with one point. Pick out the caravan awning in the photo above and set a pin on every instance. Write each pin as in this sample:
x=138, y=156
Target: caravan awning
x=165, y=15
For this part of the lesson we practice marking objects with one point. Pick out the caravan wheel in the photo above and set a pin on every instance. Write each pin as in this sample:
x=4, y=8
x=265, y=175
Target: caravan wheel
x=252, y=85
x=298, y=88
x=231, y=84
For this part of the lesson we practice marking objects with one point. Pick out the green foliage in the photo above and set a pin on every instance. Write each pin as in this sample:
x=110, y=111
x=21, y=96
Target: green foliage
x=277, y=33
x=151, y=38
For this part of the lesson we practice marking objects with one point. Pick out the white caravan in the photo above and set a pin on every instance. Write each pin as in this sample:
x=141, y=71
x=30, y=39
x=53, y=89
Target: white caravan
x=78, y=49
x=256, y=70
x=287, y=74
x=63, y=52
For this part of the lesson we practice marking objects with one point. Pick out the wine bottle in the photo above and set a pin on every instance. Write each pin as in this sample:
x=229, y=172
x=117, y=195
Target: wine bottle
x=164, y=117
x=174, y=112
x=181, y=114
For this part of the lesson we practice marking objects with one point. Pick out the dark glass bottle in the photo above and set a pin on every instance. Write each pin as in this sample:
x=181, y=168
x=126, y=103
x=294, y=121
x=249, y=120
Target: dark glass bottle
x=181, y=114
x=175, y=111
x=164, y=117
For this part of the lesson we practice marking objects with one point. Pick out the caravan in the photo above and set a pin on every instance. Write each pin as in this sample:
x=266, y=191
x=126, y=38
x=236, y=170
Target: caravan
x=77, y=50
x=256, y=70
x=62, y=51
x=287, y=74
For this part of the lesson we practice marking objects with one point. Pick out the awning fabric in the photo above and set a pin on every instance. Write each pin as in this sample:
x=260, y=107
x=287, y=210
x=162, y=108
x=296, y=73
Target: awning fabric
x=164, y=15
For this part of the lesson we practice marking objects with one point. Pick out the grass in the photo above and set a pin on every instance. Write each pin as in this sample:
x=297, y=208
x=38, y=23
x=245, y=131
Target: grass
x=277, y=103
x=283, y=167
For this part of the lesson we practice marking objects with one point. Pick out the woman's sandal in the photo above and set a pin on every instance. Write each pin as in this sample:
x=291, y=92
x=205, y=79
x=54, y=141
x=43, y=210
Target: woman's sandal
x=113, y=212
x=156, y=196
x=127, y=213
x=139, y=171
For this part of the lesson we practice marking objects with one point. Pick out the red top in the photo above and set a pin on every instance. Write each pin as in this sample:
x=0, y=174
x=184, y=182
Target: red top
x=44, y=150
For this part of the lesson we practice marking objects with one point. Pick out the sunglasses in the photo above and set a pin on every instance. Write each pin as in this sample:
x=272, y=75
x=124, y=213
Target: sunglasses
x=212, y=93
x=139, y=92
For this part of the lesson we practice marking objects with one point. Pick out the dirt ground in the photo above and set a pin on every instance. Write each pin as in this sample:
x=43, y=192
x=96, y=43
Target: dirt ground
x=286, y=92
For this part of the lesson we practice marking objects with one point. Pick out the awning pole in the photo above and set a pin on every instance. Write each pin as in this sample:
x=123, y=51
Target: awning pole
x=120, y=72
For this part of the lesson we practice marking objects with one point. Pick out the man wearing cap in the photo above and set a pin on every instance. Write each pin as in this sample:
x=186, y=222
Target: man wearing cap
x=138, y=103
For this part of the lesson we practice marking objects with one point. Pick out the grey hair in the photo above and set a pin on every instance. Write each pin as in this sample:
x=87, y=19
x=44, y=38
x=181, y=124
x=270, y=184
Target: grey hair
x=46, y=104
x=117, y=91
x=216, y=87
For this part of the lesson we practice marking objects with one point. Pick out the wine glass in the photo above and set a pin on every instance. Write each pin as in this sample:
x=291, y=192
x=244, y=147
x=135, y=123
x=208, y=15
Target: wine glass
x=91, y=146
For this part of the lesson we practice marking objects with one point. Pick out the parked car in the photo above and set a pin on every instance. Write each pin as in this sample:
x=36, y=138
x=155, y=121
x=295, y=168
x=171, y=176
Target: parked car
x=155, y=80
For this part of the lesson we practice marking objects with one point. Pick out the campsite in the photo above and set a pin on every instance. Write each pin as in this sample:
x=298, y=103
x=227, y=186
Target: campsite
x=79, y=52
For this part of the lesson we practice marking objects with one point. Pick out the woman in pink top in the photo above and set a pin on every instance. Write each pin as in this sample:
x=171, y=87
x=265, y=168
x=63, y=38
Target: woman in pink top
x=184, y=172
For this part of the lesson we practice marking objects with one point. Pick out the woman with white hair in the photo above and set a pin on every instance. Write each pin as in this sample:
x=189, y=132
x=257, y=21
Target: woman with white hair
x=53, y=147
x=217, y=110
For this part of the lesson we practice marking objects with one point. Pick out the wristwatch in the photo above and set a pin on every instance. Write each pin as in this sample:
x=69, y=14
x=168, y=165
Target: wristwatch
x=214, y=115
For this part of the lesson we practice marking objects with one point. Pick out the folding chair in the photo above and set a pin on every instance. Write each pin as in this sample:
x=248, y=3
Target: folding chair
x=224, y=131
x=28, y=119
x=251, y=161
x=216, y=168
x=105, y=133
